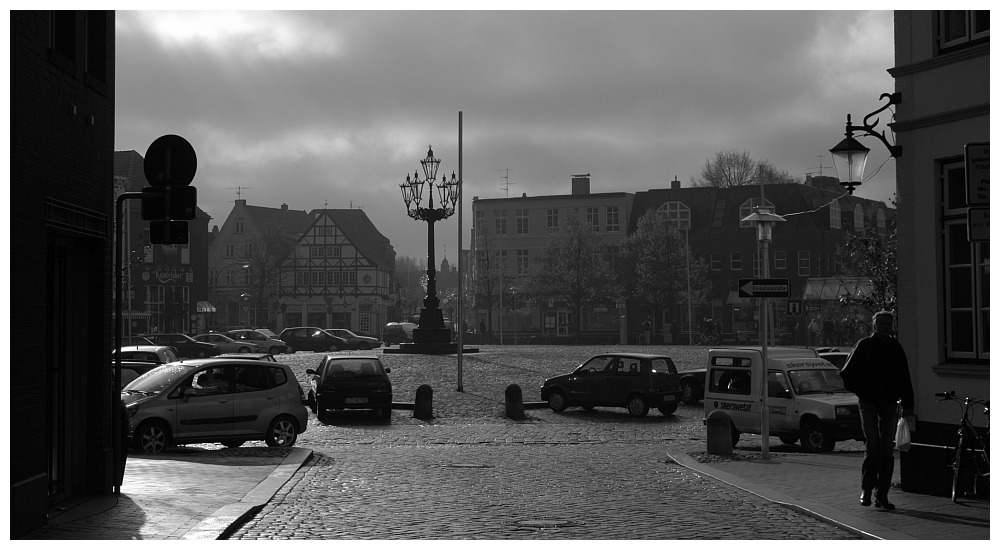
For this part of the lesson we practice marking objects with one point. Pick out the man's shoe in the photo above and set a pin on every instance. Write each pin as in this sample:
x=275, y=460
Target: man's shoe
x=883, y=502
x=866, y=498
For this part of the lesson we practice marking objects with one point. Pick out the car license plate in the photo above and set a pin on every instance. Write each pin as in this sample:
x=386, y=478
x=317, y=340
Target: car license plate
x=356, y=400
x=668, y=397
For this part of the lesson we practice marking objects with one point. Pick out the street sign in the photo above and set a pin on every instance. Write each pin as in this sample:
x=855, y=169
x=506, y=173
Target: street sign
x=977, y=173
x=793, y=307
x=168, y=232
x=170, y=161
x=979, y=224
x=763, y=288
x=175, y=203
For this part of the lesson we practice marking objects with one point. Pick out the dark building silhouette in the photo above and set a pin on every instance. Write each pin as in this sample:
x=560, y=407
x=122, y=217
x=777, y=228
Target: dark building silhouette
x=61, y=208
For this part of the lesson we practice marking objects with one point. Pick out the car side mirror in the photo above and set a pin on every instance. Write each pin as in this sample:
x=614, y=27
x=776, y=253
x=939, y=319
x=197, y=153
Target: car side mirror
x=310, y=371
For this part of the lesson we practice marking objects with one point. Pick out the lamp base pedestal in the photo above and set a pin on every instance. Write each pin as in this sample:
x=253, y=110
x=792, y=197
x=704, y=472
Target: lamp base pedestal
x=446, y=348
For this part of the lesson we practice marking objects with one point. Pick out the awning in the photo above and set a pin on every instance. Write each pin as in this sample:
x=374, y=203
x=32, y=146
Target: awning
x=205, y=307
x=832, y=288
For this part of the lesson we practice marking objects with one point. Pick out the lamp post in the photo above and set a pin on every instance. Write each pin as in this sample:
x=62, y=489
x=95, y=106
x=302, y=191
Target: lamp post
x=431, y=329
x=765, y=220
x=849, y=156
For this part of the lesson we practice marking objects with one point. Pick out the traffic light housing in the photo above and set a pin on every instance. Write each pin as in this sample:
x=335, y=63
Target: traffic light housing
x=169, y=203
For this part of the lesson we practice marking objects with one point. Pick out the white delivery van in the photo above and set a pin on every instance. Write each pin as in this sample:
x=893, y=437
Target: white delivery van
x=806, y=398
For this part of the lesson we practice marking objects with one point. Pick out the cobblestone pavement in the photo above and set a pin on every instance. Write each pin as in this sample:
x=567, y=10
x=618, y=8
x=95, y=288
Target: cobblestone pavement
x=470, y=473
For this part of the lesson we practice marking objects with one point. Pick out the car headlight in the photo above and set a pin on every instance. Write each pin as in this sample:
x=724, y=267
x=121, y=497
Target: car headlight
x=132, y=408
x=843, y=411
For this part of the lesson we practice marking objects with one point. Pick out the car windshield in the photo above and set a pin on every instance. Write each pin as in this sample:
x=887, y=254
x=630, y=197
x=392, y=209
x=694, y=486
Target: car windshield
x=158, y=379
x=816, y=381
x=353, y=367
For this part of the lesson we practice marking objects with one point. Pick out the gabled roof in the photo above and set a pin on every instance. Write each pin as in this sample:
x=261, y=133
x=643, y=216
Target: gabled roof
x=362, y=233
x=295, y=222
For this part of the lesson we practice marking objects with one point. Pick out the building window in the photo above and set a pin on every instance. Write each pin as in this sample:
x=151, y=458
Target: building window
x=213, y=277
x=480, y=223
x=958, y=28
x=749, y=207
x=332, y=251
x=316, y=278
x=521, y=221
x=804, y=267
x=333, y=278
x=612, y=219
x=500, y=218
x=594, y=217
x=880, y=219
x=736, y=261
x=678, y=214
x=756, y=265
x=779, y=260
x=835, y=215
x=552, y=220
x=230, y=250
x=966, y=273
x=63, y=33
x=859, y=218
x=238, y=230
x=350, y=278
x=97, y=45
x=718, y=215
x=521, y=259
x=715, y=261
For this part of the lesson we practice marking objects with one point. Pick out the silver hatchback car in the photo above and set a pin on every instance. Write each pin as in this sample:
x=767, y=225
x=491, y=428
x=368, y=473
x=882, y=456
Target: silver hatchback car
x=229, y=401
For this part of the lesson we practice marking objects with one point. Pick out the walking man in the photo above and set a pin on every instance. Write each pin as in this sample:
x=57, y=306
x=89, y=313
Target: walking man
x=877, y=373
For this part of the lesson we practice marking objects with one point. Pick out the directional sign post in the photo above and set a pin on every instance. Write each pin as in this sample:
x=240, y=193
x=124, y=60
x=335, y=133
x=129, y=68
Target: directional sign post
x=763, y=288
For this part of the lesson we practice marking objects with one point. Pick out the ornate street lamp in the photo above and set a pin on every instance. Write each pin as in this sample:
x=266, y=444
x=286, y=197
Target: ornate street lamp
x=431, y=329
x=849, y=156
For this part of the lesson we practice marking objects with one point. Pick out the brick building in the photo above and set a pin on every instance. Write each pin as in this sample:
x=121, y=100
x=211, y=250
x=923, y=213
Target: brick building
x=62, y=214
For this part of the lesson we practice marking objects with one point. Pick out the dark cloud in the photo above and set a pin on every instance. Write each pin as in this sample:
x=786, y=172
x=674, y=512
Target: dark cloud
x=311, y=107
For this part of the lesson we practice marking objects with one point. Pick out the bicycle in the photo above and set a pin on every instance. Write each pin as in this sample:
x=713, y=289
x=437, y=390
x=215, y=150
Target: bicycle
x=701, y=337
x=969, y=443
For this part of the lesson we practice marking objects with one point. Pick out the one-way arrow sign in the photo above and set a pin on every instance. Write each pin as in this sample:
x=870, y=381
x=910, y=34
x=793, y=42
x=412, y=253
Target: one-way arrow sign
x=763, y=288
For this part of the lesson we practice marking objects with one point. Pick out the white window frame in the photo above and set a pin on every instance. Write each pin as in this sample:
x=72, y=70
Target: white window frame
x=968, y=20
x=521, y=221
x=500, y=221
x=612, y=222
x=780, y=260
x=835, y=215
x=735, y=261
x=552, y=220
x=677, y=213
x=805, y=264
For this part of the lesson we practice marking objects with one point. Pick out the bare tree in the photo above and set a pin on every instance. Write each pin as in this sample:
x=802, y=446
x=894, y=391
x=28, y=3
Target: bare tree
x=732, y=168
x=265, y=249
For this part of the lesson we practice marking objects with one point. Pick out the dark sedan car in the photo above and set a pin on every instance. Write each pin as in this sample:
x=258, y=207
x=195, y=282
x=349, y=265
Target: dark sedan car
x=184, y=344
x=356, y=341
x=311, y=339
x=350, y=382
x=636, y=381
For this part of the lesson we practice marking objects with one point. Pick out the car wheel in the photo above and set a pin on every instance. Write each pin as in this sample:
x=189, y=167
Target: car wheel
x=311, y=402
x=692, y=392
x=151, y=437
x=557, y=401
x=244, y=350
x=234, y=444
x=788, y=439
x=667, y=410
x=637, y=406
x=281, y=432
x=815, y=439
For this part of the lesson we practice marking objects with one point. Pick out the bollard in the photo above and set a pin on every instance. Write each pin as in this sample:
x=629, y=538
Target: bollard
x=513, y=402
x=720, y=433
x=423, y=407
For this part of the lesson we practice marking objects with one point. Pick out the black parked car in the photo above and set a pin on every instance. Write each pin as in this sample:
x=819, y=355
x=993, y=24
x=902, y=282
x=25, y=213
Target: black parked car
x=184, y=344
x=636, y=381
x=350, y=382
x=311, y=339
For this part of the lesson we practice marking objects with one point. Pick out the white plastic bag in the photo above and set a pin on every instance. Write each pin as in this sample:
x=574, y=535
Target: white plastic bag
x=902, y=435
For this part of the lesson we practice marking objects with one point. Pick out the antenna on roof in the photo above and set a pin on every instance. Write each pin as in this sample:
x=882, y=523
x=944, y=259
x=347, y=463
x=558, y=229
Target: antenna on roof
x=239, y=191
x=820, y=167
x=506, y=181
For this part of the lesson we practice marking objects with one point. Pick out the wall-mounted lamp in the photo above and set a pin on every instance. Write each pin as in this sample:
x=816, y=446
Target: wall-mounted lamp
x=849, y=156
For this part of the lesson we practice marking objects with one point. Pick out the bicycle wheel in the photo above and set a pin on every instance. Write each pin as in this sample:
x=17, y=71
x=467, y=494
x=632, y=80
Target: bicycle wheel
x=956, y=468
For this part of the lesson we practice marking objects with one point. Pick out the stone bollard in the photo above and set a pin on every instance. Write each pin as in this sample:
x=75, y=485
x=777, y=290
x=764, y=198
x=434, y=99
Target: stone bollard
x=513, y=402
x=423, y=407
x=720, y=433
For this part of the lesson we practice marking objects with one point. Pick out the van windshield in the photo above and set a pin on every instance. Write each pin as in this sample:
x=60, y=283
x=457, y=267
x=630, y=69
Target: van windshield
x=816, y=381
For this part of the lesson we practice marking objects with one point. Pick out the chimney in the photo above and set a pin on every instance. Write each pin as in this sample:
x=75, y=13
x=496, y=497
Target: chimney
x=676, y=183
x=581, y=184
x=284, y=206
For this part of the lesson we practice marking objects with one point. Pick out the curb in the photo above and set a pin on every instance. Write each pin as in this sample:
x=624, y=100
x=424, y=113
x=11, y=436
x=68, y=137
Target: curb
x=225, y=520
x=859, y=526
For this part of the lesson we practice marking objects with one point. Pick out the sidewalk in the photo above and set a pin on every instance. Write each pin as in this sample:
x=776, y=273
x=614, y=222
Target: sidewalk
x=197, y=494
x=827, y=486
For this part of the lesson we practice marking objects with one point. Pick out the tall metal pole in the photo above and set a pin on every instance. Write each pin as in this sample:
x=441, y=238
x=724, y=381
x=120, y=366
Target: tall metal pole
x=765, y=434
x=461, y=273
x=687, y=254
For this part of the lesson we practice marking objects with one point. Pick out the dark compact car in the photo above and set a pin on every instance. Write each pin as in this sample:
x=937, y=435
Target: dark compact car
x=311, y=339
x=356, y=341
x=636, y=381
x=266, y=340
x=350, y=382
x=184, y=344
x=396, y=333
x=148, y=354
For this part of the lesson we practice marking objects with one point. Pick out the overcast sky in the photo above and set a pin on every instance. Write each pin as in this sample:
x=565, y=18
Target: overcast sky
x=335, y=108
